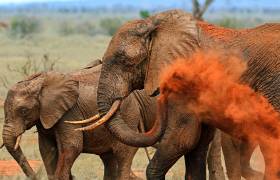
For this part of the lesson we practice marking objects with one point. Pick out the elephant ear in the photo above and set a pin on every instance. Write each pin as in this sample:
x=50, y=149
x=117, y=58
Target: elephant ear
x=176, y=37
x=58, y=94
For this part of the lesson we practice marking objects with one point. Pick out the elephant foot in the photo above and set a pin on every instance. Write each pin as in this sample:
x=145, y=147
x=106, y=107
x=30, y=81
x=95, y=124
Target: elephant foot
x=132, y=176
x=251, y=174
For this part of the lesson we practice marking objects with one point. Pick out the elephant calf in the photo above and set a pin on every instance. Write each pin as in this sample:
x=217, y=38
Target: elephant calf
x=47, y=100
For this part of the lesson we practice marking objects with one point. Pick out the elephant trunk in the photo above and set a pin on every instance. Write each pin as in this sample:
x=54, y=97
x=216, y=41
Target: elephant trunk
x=118, y=127
x=9, y=140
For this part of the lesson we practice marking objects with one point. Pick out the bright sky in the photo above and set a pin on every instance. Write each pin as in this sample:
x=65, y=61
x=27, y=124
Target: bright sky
x=20, y=1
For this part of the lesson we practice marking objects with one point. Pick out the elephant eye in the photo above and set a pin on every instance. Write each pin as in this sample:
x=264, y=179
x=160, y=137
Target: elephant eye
x=23, y=111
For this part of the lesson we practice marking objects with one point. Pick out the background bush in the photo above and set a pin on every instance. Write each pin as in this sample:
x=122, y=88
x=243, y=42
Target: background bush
x=230, y=23
x=144, y=14
x=110, y=25
x=67, y=28
x=24, y=26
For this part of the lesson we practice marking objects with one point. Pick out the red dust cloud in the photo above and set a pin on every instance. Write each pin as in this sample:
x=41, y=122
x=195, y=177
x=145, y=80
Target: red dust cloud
x=210, y=87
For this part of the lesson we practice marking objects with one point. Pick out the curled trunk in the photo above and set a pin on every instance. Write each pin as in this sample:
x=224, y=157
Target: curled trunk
x=119, y=128
x=116, y=86
x=9, y=141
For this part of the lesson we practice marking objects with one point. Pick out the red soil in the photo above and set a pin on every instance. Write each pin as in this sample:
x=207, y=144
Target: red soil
x=11, y=168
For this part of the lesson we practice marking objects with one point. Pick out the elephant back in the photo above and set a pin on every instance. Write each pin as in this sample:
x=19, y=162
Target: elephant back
x=88, y=75
x=260, y=48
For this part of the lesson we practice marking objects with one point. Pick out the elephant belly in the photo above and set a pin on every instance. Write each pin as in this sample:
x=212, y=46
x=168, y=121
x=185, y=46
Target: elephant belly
x=98, y=141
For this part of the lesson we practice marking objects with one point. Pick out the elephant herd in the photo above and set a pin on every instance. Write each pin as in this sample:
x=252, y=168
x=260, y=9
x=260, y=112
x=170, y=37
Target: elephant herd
x=116, y=96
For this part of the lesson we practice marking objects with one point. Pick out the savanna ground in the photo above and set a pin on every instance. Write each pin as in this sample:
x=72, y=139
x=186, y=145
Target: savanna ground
x=59, y=38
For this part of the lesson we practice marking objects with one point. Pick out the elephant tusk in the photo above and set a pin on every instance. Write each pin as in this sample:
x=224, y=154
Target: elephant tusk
x=17, y=142
x=2, y=145
x=91, y=119
x=105, y=118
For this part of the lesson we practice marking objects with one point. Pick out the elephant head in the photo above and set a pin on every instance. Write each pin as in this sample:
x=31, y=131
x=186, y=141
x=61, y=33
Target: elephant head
x=137, y=53
x=41, y=99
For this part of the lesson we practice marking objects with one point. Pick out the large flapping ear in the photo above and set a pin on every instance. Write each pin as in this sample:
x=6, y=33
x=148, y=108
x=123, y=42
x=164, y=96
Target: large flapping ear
x=58, y=94
x=176, y=37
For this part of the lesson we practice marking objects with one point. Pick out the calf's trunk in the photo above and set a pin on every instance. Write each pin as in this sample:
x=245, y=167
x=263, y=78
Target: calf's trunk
x=9, y=140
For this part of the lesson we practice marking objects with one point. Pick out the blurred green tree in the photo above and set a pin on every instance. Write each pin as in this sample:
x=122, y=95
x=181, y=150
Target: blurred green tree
x=110, y=25
x=24, y=26
x=144, y=14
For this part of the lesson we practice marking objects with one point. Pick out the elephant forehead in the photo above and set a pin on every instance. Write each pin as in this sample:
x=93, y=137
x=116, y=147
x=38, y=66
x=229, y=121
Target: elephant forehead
x=19, y=99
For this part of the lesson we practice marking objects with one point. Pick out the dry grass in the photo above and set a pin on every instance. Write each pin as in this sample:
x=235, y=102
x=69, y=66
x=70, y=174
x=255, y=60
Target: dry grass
x=87, y=166
x=73, y=51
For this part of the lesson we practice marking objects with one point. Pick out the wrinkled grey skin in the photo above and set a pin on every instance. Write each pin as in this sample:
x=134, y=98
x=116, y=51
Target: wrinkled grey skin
x=69, y=97
x=134, y=59
x=130, y=63
x=214, y=158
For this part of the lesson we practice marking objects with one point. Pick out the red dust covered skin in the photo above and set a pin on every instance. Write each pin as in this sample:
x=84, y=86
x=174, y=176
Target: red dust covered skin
x=209, y=83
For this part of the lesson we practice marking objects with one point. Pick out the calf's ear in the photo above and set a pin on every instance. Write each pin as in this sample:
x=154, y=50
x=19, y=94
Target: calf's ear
x=58, y=94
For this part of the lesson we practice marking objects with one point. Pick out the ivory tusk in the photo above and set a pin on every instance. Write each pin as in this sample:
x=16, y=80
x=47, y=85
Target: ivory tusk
x=105, y=118
x=17, y=142
x=91, y=119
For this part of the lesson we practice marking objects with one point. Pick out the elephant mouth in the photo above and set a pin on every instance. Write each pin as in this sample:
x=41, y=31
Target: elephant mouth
x=101, y=121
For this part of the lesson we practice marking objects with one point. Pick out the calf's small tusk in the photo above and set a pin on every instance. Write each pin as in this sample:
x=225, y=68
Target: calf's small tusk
x=105, y=118
x=17, y=142
x=91, y=119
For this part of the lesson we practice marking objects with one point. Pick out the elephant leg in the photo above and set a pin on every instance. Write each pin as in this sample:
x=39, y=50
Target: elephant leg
x=125, y=156
x=66, y=159
x=196, y=159
x=164, y=158
x=246, y=151
x=70, y=145
x=271, y=159
x=110, y=166
x=49, y=153
x=231, y=150
x=214, y=160
x=181, y=135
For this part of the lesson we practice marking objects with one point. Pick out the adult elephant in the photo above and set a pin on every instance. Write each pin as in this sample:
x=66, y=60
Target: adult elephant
x=47, y=100
x=134, y=59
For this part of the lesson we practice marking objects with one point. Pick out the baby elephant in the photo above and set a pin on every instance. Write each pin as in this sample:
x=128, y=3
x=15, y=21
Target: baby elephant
x=47, y=100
